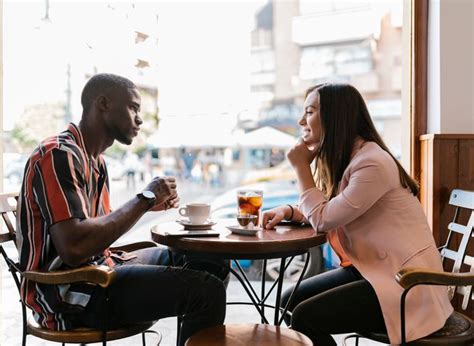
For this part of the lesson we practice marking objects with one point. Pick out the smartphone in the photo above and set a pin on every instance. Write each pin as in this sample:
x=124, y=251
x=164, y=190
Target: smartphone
x=192, y=234
x=291, y=223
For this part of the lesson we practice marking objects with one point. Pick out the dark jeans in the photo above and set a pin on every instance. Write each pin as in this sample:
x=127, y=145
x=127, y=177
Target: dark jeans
x=335, y=302
x=147, y=289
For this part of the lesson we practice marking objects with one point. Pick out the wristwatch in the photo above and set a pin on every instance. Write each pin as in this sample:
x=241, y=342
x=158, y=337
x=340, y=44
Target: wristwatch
x=148, y=196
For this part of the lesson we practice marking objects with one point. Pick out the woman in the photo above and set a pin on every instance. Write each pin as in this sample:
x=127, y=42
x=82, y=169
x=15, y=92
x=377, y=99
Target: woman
x=366, y=202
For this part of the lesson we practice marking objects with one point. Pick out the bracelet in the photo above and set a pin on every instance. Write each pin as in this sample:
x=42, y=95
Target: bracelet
x=292, y=212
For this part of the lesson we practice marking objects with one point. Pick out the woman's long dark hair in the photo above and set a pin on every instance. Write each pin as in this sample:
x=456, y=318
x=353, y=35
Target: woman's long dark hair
x=344, y=117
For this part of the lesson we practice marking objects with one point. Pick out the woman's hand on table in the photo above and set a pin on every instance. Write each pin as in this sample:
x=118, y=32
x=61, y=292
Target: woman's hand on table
x=273, y=216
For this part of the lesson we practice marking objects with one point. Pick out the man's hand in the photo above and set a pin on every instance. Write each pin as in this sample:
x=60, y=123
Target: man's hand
x=165, y=191
x=77, y=240
x=172, y=202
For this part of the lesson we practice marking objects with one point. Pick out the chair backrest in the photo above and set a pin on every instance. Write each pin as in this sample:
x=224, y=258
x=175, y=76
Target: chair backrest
x=460, y=199
x=8, y=205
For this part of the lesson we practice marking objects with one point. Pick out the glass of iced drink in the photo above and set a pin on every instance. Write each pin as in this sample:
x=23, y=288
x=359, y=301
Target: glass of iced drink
x=249, y=202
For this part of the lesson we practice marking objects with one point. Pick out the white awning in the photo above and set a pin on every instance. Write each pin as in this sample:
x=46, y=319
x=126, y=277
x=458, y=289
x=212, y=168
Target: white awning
x=204, y=132
x=266, y=137
x=198, y=131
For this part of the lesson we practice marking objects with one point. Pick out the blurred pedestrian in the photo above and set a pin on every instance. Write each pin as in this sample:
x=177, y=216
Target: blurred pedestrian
x=131, y=163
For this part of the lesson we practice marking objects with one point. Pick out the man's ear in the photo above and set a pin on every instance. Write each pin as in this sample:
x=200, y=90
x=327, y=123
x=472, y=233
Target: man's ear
x=102, y=103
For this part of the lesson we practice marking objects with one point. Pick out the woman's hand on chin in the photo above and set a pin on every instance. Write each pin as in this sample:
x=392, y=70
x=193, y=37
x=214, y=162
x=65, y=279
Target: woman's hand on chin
x=302, y=154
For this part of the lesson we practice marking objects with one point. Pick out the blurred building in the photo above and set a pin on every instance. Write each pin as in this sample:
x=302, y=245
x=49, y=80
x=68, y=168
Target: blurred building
x=302, y=43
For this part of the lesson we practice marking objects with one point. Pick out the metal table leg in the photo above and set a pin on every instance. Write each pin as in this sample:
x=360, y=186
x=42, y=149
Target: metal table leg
x=308, y=255
x=250, y=294
x=259, y=302
x=262, y=291
x=278, y=294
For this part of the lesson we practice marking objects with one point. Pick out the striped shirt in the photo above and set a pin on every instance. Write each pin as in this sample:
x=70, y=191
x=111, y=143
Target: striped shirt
x=62, y=181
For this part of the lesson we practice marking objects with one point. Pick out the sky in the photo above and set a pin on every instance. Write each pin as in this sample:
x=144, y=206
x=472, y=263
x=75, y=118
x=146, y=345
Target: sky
x=200, y=64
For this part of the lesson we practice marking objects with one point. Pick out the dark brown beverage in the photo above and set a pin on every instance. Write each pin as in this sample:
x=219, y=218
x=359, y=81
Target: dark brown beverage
x=250, y=202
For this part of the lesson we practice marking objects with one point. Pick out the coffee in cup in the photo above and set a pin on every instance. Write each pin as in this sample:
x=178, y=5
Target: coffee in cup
x=197, y=213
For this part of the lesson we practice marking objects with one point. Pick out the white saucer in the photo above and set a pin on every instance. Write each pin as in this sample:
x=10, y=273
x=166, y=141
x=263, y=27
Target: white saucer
x=193, y=226
x=237, y=229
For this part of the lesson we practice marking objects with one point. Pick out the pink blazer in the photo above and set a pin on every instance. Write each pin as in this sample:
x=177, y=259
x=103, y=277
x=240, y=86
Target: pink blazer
x=382, y=229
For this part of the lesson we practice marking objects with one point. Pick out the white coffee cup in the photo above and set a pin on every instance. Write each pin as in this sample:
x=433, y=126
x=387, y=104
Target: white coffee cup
x=198, y=213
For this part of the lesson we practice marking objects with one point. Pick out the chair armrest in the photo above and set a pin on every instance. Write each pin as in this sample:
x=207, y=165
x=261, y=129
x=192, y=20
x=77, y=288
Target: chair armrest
x=100, y=275
x=134, y=246
x=409, y=277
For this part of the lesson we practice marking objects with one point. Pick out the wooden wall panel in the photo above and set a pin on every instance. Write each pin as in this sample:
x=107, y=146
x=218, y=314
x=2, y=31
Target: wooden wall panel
x=447, y=154
x=466, y=166
x=447, y=162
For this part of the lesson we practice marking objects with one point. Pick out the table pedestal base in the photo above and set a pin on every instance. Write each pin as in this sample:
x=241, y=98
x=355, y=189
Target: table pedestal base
x=259, y=302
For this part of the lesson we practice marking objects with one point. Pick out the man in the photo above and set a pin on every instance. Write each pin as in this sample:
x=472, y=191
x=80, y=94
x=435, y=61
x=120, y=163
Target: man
x=64, y=221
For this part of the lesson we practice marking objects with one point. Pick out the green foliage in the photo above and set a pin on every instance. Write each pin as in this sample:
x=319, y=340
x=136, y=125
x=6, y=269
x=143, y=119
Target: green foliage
x=22, y=140
x=37, y=123
x=140, y=150
x=116, y=150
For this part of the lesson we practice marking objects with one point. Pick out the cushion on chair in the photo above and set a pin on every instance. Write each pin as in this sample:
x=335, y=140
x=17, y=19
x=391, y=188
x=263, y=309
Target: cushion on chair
x=458, y=329
x=248, y=335
x=456, y=324
x=85, y=335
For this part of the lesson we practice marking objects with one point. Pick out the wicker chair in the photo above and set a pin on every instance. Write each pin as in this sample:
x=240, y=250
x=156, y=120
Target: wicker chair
x=99, y=275
x=458, y=329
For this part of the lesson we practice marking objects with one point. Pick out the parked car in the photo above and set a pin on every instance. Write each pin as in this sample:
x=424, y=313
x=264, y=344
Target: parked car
x=275, y=193
x=117, y=170
x=14, y=169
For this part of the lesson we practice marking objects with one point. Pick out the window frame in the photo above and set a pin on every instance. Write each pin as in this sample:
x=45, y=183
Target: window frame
x=418, y=101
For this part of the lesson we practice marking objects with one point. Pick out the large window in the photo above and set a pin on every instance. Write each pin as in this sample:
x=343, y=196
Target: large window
x=234, y=66
x=237, y=66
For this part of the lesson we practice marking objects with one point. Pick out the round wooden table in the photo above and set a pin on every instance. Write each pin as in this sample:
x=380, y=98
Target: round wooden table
x=286, y=241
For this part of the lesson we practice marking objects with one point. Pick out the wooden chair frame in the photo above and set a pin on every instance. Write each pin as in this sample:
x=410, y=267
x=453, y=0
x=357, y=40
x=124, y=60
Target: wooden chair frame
x=99, y=275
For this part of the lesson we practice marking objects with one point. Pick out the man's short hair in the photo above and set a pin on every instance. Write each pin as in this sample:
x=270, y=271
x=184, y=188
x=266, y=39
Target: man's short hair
x=102, y=83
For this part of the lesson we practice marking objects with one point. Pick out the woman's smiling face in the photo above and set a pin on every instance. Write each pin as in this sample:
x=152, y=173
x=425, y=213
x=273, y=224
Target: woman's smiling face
x=310, y=122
